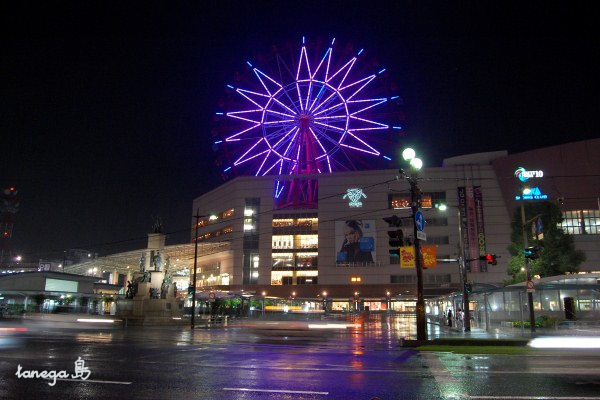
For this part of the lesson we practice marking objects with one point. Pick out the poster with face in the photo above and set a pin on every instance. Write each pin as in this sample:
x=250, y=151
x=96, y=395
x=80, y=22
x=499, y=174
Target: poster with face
x=355, y=241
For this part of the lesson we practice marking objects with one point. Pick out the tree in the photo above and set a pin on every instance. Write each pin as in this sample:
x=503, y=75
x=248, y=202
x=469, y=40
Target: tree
x=557, y=253
x=39, y=300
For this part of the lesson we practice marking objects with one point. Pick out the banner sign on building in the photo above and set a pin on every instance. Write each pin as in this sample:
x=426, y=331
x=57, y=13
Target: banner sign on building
x=407, y=257
x=428, y=254
x=477, y=195
x=355, y=241
x=470, y=205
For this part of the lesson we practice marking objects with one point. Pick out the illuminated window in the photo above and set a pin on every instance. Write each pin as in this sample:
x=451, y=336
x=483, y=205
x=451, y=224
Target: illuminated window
x=571, y=222
x=227, y=213
x=283, y=241
x=401, y=201
x=591, y=221
x=356, y=279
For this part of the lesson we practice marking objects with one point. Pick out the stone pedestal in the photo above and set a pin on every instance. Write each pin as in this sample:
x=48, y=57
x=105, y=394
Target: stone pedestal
x=143, y=310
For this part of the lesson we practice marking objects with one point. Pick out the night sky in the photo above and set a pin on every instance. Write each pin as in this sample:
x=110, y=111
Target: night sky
x=106, y=112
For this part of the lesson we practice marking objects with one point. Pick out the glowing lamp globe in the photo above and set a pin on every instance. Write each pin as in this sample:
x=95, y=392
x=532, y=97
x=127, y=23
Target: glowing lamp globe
x=416, y=163
x=408, y=154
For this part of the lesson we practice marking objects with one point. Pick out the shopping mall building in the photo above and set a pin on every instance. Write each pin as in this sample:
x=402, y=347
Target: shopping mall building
x=327, y=234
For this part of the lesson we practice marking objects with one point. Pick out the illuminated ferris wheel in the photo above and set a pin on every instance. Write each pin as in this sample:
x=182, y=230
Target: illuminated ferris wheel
x=313, y=118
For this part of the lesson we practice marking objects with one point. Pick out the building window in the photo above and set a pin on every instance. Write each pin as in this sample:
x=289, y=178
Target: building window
x=438, y=240
x=577, y=222
x=355, y=279
x=251, y=241
x=428, y=200
x=591, y=221
x=295, y=224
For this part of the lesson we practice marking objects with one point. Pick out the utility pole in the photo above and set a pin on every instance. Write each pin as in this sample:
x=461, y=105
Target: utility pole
x=462, y=266
x=415, y=205
x=527, y=268
x=197, y=216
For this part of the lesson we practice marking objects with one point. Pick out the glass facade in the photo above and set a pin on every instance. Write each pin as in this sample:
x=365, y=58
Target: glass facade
x=577, y=222
x=295, y=245
x=251, y=240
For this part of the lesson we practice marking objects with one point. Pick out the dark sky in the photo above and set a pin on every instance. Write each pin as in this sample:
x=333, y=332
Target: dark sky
x=106, y=112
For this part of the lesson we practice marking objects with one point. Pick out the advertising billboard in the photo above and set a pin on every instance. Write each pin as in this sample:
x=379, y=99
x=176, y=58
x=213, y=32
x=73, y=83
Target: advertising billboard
x=355, y=241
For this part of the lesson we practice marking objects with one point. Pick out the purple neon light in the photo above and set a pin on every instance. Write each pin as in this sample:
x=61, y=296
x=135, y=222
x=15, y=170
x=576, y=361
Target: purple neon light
x=324, y=101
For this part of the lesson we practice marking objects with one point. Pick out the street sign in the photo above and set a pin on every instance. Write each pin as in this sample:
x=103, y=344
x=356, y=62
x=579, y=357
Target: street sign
x=421, y=235
x=529, y=285
x=420, y=221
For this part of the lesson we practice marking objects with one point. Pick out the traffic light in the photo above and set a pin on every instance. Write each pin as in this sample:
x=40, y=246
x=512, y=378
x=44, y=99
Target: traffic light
x=396, y=238
x=393, y=220
x=489, y=258
x=531, y=252
x=469, y=288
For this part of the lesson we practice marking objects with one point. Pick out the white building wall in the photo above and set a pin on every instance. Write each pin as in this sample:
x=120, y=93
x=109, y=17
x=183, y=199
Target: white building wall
x=333, y=207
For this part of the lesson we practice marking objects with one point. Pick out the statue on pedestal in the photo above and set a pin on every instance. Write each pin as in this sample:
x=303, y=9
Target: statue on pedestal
x=166, y=283
x=157, y=261
x=143, y=262
x=157, y=226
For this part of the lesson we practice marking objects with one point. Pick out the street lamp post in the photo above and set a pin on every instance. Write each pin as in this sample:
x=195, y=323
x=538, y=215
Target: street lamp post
x=197, y=216
x=415, y=194
x=527, y=268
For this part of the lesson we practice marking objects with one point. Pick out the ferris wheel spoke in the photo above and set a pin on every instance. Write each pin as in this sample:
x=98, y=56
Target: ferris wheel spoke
x=327, y=53
x=366, y=81
x=284, y=136
x=284, y=106
x=280, y=161
x=263, y=163
x=243, y=158
x=375, y=103
x=279, y=113
x=270, y=84
x=338, y=119
x=252, y=97
x=342, y=72
x=234, y=138
x=329, y=126
x=323, y=103
x=318, y=141
x=373, y=124
x=355, y=146
x=317, y=97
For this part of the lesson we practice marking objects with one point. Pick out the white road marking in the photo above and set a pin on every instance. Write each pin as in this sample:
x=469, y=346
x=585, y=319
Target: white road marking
x=94, y=381
x=535, y=397
x=275, y=391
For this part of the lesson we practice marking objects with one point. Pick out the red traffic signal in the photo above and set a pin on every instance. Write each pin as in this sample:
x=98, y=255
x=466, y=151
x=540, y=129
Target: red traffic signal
x=489, y=258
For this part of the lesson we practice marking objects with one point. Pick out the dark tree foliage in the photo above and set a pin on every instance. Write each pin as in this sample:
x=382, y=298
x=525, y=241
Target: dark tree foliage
x=557, y=254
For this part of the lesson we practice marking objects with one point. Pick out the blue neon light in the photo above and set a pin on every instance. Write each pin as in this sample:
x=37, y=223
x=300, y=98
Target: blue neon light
x=219, y=113
x=230, y=87
x=394, y=97
x=396, y=127
x=387, y=158
x=333, y=41
x=534, y=194
x=360, y=51
x=249, y=64
x=226, y=169
x=218, y=141
x=382, y=71
x=302, y=39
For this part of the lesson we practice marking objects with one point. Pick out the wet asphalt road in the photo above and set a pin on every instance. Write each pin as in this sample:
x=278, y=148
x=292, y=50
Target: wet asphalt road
x=235, y=363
